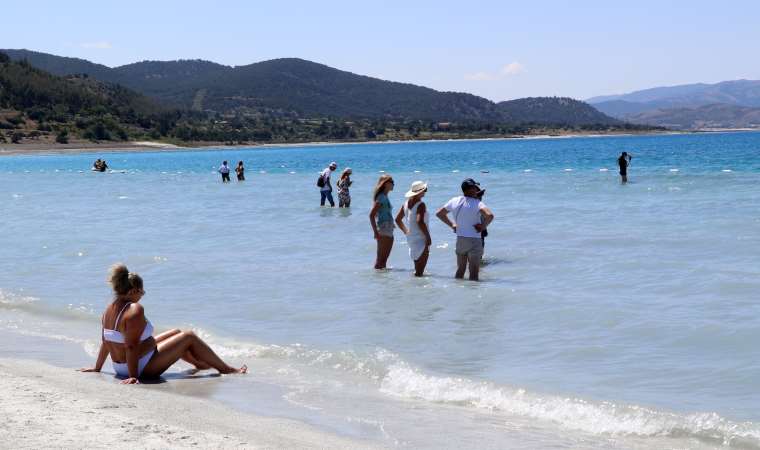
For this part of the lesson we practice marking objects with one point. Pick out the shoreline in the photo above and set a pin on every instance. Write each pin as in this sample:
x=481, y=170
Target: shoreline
x=30, y=149
x=48, y=406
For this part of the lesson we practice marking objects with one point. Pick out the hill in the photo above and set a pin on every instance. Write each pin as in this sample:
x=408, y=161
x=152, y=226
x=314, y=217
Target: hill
x=702, y=117
x=560, y=111
x=311, y=90
x=34, y=101
x=687, y=106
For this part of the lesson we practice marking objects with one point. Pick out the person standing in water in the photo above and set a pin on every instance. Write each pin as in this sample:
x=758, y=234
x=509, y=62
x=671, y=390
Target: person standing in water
x=484, y=232
x=224, y=169
x=416, y=226
x=471, y=217
x=344, y=183
x=381, y=220
x=624, y=161
x=240, y=171
x=325, y=188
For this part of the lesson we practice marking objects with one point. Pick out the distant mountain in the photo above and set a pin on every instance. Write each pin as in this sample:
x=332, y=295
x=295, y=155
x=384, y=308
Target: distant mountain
x=553, y=110
x=686, y=106
x=702, y=117
x=308, y=89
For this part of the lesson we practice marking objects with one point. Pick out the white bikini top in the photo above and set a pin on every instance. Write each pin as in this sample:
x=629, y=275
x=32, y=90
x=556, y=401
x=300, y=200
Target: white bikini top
x=117, y=337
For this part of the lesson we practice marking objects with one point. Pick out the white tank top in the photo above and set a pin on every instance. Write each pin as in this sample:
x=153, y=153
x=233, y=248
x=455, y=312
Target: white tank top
x=411, y=219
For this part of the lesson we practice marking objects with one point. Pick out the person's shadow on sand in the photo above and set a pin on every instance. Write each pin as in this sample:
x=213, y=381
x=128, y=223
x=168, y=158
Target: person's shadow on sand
x=184, y=375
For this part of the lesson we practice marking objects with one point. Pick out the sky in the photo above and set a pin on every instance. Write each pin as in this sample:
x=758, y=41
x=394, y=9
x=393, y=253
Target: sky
x=500, y=50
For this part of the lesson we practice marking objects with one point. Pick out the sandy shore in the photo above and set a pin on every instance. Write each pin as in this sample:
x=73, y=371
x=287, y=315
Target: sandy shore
x=40, y=148
x=48, y=407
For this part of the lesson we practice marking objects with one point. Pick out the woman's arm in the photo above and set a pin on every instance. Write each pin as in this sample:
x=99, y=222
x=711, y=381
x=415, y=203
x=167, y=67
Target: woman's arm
x=421, y=223
x=102, y=355
x=400, y=221
x=372, y=214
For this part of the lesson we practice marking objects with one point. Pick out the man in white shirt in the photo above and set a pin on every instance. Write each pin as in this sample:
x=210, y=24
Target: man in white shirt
x=224, y=169
x=471, y=216
x=325, y=190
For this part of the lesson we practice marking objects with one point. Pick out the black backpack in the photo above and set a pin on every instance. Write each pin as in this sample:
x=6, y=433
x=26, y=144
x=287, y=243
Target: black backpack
x=321, y=181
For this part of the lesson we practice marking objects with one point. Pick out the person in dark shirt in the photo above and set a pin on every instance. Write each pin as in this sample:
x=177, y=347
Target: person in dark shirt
x=240, y=171
x=624, y=161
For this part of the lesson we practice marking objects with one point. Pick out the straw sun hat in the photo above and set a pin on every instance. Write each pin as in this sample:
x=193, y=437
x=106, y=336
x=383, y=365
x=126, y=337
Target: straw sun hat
x=418, y=187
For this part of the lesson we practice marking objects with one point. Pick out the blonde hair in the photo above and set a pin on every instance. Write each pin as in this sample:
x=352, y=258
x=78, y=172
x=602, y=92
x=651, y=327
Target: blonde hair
x=122, y=281
x=384, y=178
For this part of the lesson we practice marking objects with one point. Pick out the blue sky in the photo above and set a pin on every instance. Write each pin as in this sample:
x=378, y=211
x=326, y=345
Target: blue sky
x=499, y=50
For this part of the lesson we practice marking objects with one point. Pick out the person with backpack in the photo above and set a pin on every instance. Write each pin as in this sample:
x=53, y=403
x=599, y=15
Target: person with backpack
x=323, y=183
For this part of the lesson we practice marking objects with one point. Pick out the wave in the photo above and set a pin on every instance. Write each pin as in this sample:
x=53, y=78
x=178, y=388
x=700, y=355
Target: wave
x=33, y=305
x=601, y=418
x=395, y=377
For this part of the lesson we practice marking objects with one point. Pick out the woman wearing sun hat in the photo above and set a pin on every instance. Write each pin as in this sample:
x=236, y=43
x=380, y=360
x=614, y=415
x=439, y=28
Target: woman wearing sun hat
x=344, y=183
x=415, y=214
x=381, y=220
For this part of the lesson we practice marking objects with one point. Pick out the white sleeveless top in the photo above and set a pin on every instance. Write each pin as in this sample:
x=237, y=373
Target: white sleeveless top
x=410, y=214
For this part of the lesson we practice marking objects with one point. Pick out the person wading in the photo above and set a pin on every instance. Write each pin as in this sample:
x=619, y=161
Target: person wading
x=471, y=217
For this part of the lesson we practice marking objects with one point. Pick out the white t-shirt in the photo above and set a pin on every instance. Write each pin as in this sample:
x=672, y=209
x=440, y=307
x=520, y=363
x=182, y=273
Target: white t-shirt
x=224, y=169
x=465, y=213
x=326, y=176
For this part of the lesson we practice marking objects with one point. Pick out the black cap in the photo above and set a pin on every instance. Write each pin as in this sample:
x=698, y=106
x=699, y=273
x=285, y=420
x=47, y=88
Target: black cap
x=468, y=183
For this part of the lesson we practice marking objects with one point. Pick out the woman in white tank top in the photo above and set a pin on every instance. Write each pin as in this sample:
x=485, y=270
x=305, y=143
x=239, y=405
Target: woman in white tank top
x=412, y=219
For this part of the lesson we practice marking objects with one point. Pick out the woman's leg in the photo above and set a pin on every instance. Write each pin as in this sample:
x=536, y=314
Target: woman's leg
x=421, y=262
x=188, y=357
x=384, y=247
x=172, y=349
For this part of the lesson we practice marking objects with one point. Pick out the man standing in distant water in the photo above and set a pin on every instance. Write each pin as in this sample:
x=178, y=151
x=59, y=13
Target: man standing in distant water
x=225, y=171
x=471, y=217
x=325, y=188
x=624, y=161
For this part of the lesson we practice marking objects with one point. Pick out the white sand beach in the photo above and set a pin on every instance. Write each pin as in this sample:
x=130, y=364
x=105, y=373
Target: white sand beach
x=43, y=406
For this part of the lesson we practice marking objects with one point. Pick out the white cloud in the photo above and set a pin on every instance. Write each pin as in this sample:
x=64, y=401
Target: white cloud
x=99, y=45
x=511, y=69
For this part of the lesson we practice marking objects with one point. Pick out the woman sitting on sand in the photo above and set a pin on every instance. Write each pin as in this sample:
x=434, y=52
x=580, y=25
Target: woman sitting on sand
x=127, y=337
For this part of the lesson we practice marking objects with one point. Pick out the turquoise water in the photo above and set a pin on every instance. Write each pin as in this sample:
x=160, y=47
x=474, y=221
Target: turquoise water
x=608, y=315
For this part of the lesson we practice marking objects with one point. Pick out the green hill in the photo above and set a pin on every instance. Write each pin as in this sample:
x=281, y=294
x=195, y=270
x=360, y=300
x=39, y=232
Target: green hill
x=32, y=99
x=312, y=90
x=559, y=111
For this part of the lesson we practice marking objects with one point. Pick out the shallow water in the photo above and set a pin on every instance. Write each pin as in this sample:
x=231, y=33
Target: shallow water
x=608, y=315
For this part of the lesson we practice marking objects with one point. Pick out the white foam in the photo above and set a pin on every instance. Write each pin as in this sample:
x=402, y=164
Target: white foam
x=674, y=170
x=416, y=171
x=528, y=170
x=568, y=170
x=444, y=245
x=455, y=171
x=603, y=169
x=123, y=197
x=727, y=170
x=572, y=413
